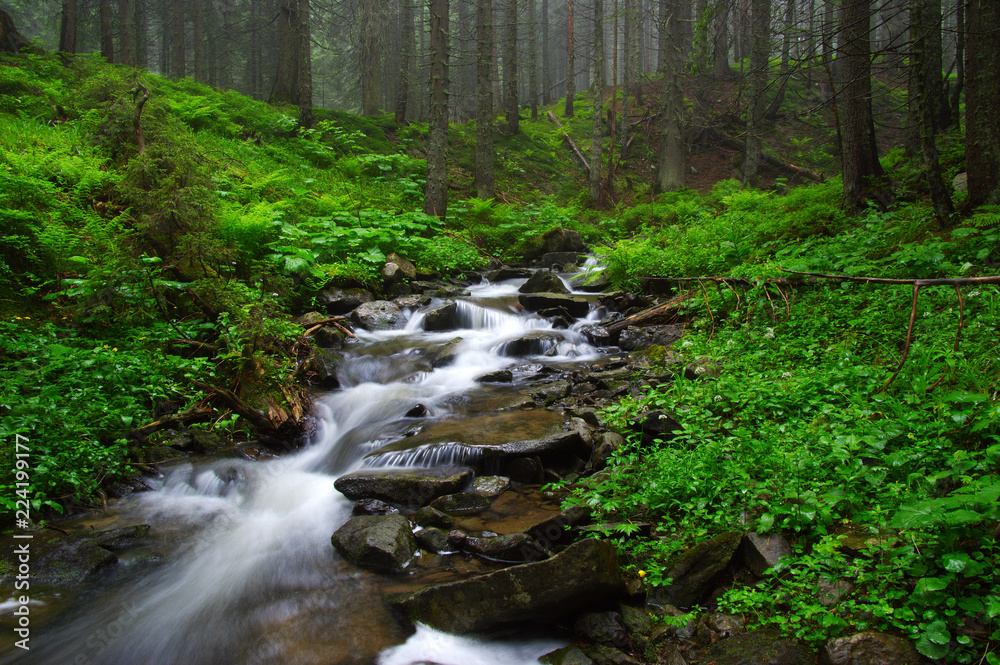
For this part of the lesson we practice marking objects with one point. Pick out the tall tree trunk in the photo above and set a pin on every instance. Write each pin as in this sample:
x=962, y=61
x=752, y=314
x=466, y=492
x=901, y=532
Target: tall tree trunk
x=67, y=30
x=405, y=59
x=126, y=32
x=436, y=193
x=107, y=32
x=484, y=100
x=956, y=93
x=198, y=41
x=286, y=81
x=139, y=20
x=982, y=104
x=532, y=59
x=670, y=173
x=305, y=99
x=720, y=20
x=827, y=33
x=177, y=40
x=372, y=55
x=597, y=120
x=546, y=55
x=864, y=178
x=570, y=63
x=510, y=70
x=943, y=209
x=225, y=45
x=662, y=39
x=753, y=156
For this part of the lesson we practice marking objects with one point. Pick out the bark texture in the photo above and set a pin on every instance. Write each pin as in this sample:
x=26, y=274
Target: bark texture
x=484, y=179
x=436, y=193
x=982, y=102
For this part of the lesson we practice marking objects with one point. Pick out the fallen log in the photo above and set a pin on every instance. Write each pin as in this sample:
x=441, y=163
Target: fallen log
x=654, y=316
x=566, y=137
x=195, y=414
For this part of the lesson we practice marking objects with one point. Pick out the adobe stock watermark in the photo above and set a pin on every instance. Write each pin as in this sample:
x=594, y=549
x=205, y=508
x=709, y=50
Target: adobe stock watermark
x=102, y=637
x=22, y=541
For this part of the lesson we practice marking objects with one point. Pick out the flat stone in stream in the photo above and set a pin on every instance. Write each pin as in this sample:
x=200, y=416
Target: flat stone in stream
x=584, y=574
x=404, y=487
x=379, y=542
x=461, y=503
x=575, y=306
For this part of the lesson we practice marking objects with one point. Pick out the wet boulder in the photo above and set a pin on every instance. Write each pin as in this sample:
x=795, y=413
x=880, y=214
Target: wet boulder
x=583, y=575
x=499, y=376
x=379, y=542
x=759, y=647
x=57, y=559
x=693, y=573
x=600, y=628
x=378, y=315
x=762, y=551
x=336, y=301
x=571, y=655
x=608, y=444
x=870, y=648
x=511, y=547
x=505, y=273
x=491, y=485
x=433, y=539
x=441, y=316
x=461, y=503
x=597, y=335
x=397, y=269
x=559, y=240
x=404, y=487
x=573, y=306
x=543, y=281
x=534, y=343
x=329, y=337
x=122, y=538
x=656, y=426
x=320, y=368
x=373, y=507
x=430, y=517
x=636, y=337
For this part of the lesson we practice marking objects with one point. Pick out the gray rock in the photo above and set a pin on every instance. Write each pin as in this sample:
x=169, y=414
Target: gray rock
x=397, y=269
x=562, y=240
x=511, y=547
x=759, y=647
x=832, y=593
x=605, y=655
x=657, y=426
x=552, y=391
x=336, y=301
x=461, y=503
x=523, y=469
x=571, y=655
x=378, y=315
x=491, y=485
x=373, y=507
x=635, y=337
x=445, y=354
x=609, y=443
x=600, y=628
x=574, y=306
x=440, y=317
x=433, y=539
x=534, y=343
x=499, y=376
x=596, y=335
x=543, y=281
x=960, y=182
x=329, y=337
x=585, y=574
x=56, y=559
x=428, y=516
x=559, y=443
x=405, y=487
x=760, y=552
x=379, y=542
x=870, y=648
x=693, y=572
x=121, y=539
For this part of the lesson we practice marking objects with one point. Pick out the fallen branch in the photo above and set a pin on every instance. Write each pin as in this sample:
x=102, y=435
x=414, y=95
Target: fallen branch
x=192, y=415
x=255, y=417
x=956, y=282
x=660, y=314
x=576, y=151
x=313, y=326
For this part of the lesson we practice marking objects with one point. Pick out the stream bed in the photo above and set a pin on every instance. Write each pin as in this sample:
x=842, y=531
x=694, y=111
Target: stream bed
x=237, y=565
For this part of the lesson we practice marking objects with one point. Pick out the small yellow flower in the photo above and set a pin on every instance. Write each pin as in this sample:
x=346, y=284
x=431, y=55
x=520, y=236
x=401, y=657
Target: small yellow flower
x=910, y=436
x=115, y=349
x=105, y=346
x=143, y=337
x=17, y=318
x=641, y=573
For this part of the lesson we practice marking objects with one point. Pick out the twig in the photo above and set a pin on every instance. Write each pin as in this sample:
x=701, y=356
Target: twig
x=909, y=338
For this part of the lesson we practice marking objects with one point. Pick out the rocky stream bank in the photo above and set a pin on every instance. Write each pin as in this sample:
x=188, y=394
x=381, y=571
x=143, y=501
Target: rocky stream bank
x=450, y=518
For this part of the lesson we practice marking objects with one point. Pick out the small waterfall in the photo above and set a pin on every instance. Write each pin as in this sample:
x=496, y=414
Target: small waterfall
x=247, y=573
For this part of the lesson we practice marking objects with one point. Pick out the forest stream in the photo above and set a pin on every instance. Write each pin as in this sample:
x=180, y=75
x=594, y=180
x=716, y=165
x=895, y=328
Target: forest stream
x=237, y=566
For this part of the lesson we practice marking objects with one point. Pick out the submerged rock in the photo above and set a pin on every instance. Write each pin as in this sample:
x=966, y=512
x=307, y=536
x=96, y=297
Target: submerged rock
x=574, y=306
x=461, y=503
x=585, y=574
x=380, y=542
x=512, y=547
x=57, y=559
x=404, y=487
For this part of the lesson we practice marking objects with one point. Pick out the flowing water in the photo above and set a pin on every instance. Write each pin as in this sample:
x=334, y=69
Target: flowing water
x=240, y=570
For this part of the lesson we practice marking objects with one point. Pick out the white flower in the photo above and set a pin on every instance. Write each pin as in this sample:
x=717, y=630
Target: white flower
x=768, y=333
x=786, y=375
x=700, y=369
x=718, y=398
x=972, y=294
x=688, y=343
x=730, y=343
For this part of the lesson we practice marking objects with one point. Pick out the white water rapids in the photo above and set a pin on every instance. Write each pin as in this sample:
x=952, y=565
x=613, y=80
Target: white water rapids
x=249, y=575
